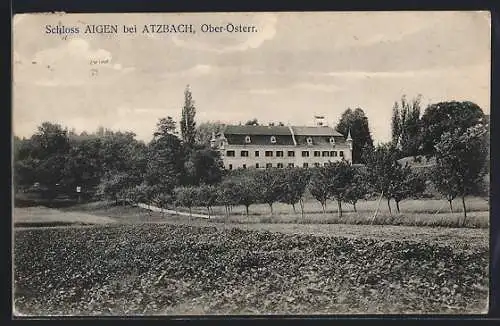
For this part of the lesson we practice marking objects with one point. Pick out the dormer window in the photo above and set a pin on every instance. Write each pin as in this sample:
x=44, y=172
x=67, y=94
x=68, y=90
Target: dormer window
x=309, y=141
x=273, y=140
x=332, y=141
x=247, y=140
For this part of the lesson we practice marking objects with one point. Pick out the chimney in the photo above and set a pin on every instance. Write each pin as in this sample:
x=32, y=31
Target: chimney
x=319, y=121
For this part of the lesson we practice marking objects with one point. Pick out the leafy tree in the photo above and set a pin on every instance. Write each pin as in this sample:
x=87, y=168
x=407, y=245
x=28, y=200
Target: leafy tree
x=50, y=147
x=165, y=160
x=63, y=160
x=114, y=186
x=246, y=191
x=396, y=124
x=253, y=122
x=165, y=126
x=50, y=140
x=406, y=126
x=203, y=165
x=186, y=196
x=445, y=117
x=25, y=172
x=339, y=177
x=207, y=197
x=462, y=156
x=357, y=122
x=446, y=181
x=25, y=165
x=153, y=193
x=381, y=166
x=318, y=186
x=206, y=130
x=270, y=186
x=121, y=155
x=162, y=200
x=188, y=125
x=404, y=184
x=294, y=186
x=16, y=146
x=117, y=148
x=228, y=193
x=84, y=166
x=42, y=158
x=139, y=194
x=357, y=189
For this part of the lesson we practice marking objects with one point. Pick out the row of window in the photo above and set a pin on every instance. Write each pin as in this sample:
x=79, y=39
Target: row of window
x=248, y=140
x=289, y=153
x=278, y=165
x=309, y=140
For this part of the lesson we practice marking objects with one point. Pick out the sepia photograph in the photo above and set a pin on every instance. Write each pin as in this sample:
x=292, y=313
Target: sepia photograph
x=251, y=163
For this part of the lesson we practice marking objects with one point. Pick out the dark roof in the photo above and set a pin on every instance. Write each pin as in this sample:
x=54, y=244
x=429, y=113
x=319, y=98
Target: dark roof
x=282, y=131
x=319, y=140
x=315, y=131
x=259, y=140
x=258, y=130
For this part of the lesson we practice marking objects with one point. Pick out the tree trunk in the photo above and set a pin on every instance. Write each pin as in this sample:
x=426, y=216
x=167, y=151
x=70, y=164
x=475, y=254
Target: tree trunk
x=271, y=207
x=354, y=205
x=378, y=205
x=339, y=202
x=190, y=214
x=294, y=211
x=323, y=205
x=246, y=207
x=208, y=209
x=397, y=206
x=450, y=201
x=301, y=202
x=465, y=210
x=389, y=205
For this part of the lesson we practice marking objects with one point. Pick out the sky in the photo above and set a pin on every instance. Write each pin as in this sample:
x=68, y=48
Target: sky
x=294, y=66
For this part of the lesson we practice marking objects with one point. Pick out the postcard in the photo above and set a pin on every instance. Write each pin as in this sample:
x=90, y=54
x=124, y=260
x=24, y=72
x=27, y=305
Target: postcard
x=270, y=163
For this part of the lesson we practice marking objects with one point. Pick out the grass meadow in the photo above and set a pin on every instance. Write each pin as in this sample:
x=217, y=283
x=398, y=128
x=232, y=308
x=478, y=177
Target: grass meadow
x=413, y=212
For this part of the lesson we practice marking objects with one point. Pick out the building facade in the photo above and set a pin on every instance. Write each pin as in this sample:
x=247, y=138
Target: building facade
x=281, y=146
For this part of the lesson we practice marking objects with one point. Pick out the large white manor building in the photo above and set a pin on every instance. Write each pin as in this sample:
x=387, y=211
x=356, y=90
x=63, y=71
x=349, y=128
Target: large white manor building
x=243, y=146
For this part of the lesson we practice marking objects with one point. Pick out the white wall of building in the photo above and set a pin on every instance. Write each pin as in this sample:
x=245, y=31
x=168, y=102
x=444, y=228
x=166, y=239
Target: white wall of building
x=298, y=160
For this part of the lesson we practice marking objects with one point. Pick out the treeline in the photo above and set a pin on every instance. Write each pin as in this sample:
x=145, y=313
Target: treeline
x=459, y=171
x=111, y=164
x=185, y=171
x=339, y=181
x=414, y=131
x=454, y=134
